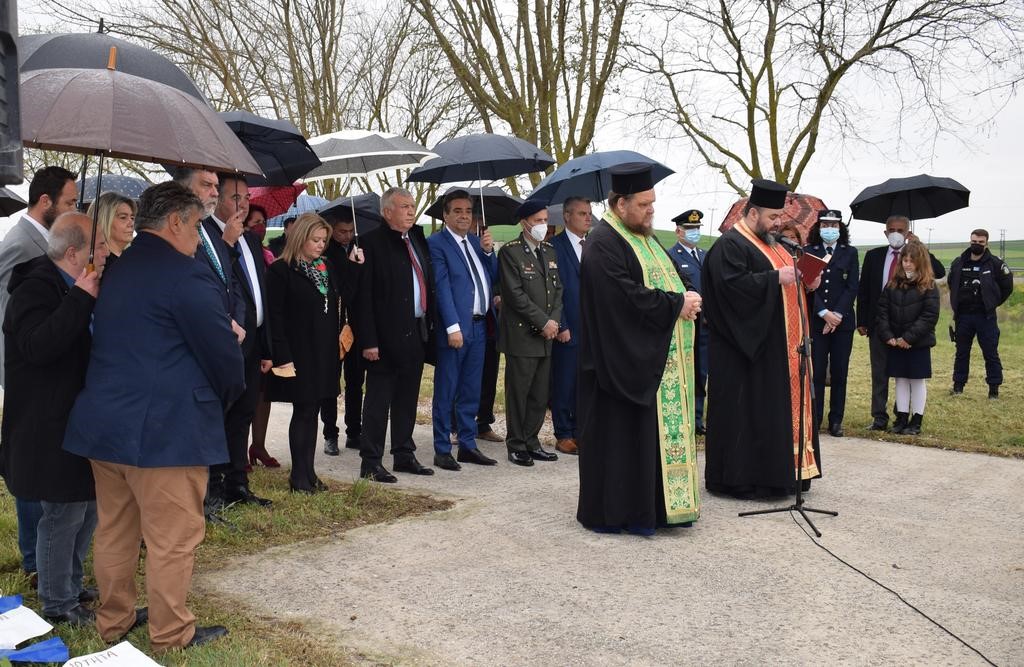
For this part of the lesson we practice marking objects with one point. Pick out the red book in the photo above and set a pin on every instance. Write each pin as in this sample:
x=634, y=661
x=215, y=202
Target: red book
x=810, y=267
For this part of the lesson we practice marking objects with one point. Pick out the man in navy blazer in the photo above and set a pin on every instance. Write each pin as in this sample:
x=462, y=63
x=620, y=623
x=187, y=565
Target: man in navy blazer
x=465, y=268
x=577, y=217
x=150, y=419
x=831, y=317
x=689, y=259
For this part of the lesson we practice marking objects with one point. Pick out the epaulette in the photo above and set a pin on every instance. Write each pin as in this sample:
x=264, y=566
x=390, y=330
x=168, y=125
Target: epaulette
x=513, y=242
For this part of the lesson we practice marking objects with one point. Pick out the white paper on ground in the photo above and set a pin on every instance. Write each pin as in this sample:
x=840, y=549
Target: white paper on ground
x=121, y=655
x=21, y=624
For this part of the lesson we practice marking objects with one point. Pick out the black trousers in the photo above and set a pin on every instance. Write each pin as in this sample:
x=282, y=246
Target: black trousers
x=329, y=413
x=831, y=353
x=237, y=422
x=393, y=394
x=302, y=443
x=354, y=373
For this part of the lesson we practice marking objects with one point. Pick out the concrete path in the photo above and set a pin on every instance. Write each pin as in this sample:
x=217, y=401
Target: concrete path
x=507, y=577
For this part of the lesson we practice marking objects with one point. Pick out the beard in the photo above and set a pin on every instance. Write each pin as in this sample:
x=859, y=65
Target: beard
x=49, y=216
x=640, y=229
x=767, y=237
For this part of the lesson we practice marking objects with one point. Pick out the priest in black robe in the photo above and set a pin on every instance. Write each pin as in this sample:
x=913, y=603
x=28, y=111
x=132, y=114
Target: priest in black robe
x=637, y=461
x=752, y=311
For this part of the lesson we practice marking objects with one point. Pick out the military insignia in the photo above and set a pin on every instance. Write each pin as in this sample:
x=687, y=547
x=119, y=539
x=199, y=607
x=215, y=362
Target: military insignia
x=552, y=264
x=694, y=217
x=528, y=269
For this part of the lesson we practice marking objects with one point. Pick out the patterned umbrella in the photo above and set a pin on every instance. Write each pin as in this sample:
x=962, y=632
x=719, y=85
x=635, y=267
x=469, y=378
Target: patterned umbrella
x=801, y=209
x=276, y=199
x=129, y=186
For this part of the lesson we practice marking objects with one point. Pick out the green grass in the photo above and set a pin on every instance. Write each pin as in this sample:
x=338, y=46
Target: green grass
x=254, y=639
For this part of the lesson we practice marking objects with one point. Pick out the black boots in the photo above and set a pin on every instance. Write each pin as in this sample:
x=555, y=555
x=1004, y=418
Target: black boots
x=914, y=427
x=900, y=423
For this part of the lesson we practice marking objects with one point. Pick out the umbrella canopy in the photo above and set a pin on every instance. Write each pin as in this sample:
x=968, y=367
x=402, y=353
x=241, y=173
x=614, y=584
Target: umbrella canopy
x=109, y=112
x=275, y=199
x=303, y=204
x=129, y=186
x=481, y=157
x=589, y=176
x=800, y=208
x=89, y=50
x=365, y=206
x=916, y=197
x=499, y=206
x=277, y=146
x=10, y=203
x=354, y=153
x=555, y=216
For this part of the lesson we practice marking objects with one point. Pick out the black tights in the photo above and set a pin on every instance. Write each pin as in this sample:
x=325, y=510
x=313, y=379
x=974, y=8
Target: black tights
x=302, y=432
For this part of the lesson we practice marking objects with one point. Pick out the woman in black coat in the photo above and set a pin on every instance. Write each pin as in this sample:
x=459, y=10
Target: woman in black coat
x=908, y=310
x=305, y=316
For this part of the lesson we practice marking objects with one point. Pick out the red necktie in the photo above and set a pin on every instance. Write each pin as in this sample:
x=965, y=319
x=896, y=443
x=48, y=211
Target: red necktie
x=419, y=274
x=892, y=265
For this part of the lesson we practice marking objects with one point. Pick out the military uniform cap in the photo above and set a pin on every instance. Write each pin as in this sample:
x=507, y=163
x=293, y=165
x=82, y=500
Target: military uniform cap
x=690, y=218
x=830, y=215
x=529, y=207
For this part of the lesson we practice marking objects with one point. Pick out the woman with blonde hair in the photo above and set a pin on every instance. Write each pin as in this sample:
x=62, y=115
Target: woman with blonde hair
x=305, y=312
x=908, y=310
x=116, y=220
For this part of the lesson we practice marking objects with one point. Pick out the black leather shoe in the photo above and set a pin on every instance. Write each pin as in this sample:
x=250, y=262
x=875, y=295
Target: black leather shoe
x=89, y=595
x=878, y=426
x=835, y=430
x=413, y=467
x=207, y=634
x=378, y=474
x=319, y=486
x=295, y=489
x=520, y=458
x=141, y=618
x=243, y=496
x=475, y=456
x=331, y=446
x=542, y=455
x=77, y=616
x=446, y=462
x=351, y=443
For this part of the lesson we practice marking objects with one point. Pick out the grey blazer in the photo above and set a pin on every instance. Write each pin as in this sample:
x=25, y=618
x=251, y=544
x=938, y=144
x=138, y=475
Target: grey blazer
x=22, y=243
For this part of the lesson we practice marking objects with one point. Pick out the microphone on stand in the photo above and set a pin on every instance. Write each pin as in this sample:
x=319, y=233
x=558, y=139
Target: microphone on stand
x=789, y=243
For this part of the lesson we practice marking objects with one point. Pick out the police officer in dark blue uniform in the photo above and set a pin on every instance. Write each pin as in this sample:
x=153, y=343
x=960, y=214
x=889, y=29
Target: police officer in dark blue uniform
x=689, y=258
x=978, y=283
x=831, y=315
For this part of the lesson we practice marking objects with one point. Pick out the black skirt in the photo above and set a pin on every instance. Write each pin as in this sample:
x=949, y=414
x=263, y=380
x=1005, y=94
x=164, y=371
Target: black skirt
x=914, y=364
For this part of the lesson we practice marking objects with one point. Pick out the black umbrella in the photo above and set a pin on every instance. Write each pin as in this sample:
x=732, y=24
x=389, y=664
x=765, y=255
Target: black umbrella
x=916, y=197
x=278, y=147
x=499, y=206
x=129, y=186
x=10, y=203
x=365, y=206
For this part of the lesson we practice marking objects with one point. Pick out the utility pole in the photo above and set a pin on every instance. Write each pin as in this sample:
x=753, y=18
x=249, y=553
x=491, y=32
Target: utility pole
x=929, y=244
x=1002, y=243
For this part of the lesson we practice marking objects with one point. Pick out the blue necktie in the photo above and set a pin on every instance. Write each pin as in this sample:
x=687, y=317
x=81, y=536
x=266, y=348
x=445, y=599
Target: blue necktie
x=480, y=300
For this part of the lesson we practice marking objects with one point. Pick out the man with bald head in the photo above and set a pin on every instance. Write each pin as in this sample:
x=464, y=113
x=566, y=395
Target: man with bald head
x=47, y=336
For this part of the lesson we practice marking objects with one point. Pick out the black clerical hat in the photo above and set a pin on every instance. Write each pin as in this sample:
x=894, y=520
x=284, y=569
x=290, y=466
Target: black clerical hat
x=830, y=215
x=529, y=207
x=768, y=194
x=631, y=178
x=690, y=218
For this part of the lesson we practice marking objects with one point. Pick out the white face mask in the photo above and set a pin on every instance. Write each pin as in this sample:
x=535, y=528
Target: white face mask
x=538, y=232
x=896, y=240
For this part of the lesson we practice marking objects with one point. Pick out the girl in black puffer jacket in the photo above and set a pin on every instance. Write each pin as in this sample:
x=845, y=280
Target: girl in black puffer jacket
x=907, y=312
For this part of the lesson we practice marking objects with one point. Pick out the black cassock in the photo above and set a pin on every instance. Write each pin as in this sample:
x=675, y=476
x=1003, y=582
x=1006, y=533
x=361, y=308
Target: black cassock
x=626, y=329
x=749, y=443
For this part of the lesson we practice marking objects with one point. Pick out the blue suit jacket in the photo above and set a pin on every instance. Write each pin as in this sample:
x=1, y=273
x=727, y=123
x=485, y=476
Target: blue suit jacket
x=164, y=363
x=453, y=281
x=569, y=271
x=839, y=285
x=690, y=270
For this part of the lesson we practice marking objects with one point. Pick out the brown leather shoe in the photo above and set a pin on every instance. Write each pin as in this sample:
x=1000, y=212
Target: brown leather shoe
x=490, y=436
x=567, y=446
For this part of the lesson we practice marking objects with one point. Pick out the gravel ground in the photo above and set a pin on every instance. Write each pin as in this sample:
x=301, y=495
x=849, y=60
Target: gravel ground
x=508, y=577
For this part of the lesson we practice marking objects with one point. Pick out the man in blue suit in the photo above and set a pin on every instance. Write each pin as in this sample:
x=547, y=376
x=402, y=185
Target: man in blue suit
x=577, y=216
x=163, y=365
x=689, y=258
x=465, y=269
x=831, y=316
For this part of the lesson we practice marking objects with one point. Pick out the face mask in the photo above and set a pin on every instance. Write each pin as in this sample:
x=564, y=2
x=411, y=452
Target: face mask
x=692, y=236
x=538, y=232
x=896, y=240
x=829, y=234
x=977, y=249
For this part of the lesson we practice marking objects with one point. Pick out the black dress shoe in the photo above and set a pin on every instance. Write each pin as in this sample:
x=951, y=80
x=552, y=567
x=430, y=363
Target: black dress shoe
x=319, y=486
x=295, y=489
x=331, y=446
x=141, y=618
x=207, y=634
x=413, y=467
x=475, y=456
x=77, y=616
x=520, y=458
x=878, y=426
x=542, y=455
x=378, y=474
x=351, y=443
x=89, y=595
x=446, y=462
x=835, y=430
x=243, y=496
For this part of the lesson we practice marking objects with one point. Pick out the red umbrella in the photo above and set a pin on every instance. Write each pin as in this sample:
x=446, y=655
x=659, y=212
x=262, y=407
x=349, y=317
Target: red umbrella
x=801, y=209
x=276, y=199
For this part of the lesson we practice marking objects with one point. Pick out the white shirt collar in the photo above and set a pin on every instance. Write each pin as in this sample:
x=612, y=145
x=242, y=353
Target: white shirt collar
x=35, y=223
x=458, y=239
x=573, y=237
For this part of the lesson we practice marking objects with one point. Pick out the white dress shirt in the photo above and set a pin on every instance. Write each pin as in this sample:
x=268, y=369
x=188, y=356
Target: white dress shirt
x=35, y=223
x=250, y=270
x=480, y=270
x=577, y=244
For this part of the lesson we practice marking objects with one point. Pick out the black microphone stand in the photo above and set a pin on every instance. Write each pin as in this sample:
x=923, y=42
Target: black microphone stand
x=805, y=354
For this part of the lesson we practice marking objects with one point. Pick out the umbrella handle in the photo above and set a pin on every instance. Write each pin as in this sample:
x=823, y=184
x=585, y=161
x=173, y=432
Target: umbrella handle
x=95, y=215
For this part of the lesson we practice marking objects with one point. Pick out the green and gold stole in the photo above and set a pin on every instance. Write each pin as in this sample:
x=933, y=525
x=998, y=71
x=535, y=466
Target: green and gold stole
x=676, y=439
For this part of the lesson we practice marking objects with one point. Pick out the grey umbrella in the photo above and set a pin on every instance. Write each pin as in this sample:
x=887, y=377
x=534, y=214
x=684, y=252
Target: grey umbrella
x=10, y=203
x=129, y=186
x=349, y=154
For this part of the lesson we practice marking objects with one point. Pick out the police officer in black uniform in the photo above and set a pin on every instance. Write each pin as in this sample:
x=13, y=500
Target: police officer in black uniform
x=689, y=258
x=831, y=316
x=979, y=282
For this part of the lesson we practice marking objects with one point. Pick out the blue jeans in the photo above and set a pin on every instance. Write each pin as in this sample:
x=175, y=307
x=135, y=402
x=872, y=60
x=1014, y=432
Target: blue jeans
x=65, y=532
x=29, y=513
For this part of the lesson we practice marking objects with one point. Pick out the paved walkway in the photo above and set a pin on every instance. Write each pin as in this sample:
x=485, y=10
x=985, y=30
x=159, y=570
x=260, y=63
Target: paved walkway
x=507, y=577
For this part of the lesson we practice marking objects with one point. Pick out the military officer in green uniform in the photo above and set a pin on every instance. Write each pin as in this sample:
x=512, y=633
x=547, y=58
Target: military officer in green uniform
x=531, y=307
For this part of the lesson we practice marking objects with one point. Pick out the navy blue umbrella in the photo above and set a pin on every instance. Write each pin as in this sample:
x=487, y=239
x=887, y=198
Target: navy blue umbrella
x=365, y=208
x=128, y=186
x=589, y=177
x=916, y=197
x=499, y=206
x=278, y=147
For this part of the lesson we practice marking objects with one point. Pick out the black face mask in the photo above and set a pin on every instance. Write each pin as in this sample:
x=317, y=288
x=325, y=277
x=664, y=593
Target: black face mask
x=977, y=249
